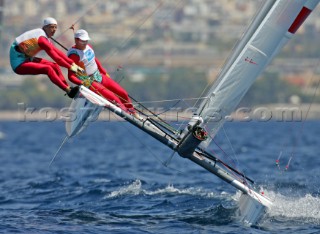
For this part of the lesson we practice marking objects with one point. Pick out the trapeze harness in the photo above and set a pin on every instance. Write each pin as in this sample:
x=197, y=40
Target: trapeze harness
x=87, y=58
x=106, y=87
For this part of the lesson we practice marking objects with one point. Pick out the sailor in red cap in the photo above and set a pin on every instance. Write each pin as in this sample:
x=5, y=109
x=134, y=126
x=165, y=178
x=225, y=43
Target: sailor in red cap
x=27, y=45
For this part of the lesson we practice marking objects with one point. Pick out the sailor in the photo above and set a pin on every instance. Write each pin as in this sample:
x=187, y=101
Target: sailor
x=28, y=44
x=96, y=78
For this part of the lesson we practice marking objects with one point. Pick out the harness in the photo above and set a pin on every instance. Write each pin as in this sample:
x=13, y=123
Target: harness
x=89, y=79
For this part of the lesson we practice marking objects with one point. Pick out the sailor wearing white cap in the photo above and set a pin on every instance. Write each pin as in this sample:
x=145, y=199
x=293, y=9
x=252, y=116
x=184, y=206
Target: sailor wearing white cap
x=96, y=76
x=48, y=21
x=82, y=34
x=26, y=46
x=50, y=26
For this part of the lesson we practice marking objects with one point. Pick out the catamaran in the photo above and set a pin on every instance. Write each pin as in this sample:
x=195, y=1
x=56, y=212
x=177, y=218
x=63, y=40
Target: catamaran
x=273, y=26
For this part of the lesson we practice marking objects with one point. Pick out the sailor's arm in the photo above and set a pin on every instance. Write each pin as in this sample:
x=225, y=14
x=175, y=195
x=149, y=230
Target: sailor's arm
x=71, y=75
x=101, y=69
x=60, y=58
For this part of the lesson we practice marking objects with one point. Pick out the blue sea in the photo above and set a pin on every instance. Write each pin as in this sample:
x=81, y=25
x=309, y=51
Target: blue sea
x=111, y=179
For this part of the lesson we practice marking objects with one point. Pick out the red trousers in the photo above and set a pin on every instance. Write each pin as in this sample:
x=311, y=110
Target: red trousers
x=41, y=66
x=113, y=92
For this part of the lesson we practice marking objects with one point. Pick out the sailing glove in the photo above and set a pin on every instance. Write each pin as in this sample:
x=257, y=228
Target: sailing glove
x=75, y=68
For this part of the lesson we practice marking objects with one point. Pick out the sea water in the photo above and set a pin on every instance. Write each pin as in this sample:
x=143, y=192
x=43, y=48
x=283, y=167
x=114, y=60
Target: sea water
x=112, y=178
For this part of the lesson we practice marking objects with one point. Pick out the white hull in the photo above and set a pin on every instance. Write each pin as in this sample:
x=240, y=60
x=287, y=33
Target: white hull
x=82, y=112
x=252, y=208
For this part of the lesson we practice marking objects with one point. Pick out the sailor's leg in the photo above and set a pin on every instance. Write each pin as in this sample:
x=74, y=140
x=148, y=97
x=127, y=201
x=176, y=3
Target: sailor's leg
x=42, y=66
x=110, y=96
x=57, y=70
x=118, y=91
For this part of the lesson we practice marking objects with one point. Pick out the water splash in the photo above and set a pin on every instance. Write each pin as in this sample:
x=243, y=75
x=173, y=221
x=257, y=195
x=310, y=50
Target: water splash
x=306, y=209
x=134, y=188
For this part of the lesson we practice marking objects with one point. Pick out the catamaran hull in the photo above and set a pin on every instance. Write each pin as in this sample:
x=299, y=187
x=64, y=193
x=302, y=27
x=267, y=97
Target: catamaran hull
x=251, y=210
x=252, y=205
x=81, y=113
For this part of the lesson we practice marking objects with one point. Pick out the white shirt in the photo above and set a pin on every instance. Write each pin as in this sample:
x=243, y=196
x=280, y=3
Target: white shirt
x=87, y=57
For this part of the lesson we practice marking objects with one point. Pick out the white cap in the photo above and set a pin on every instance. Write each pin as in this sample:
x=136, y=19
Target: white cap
x=82, y=34
x=48, y=21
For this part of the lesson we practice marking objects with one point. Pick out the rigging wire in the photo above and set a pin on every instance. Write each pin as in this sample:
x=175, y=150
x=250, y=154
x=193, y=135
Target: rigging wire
x=62, y=144
x=228, y=156
x=171, y=100
x=163, y=163
x=302, y=127
x=79, y=18
x=234, y=162
x=125, y=42
x=157, y=115
x=235, y=159
x=301, y=130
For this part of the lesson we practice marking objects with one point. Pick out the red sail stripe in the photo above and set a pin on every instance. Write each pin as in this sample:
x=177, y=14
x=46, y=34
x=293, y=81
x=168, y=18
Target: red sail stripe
x=304, y=13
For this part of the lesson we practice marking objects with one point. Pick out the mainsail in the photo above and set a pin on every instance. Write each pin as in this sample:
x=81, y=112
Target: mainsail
x=272, y=28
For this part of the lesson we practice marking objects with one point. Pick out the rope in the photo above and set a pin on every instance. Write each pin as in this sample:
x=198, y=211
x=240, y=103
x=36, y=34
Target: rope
x=171, y=100
x=122, y=76
x=113, y=52
x=81, y=16
x=164, y=163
